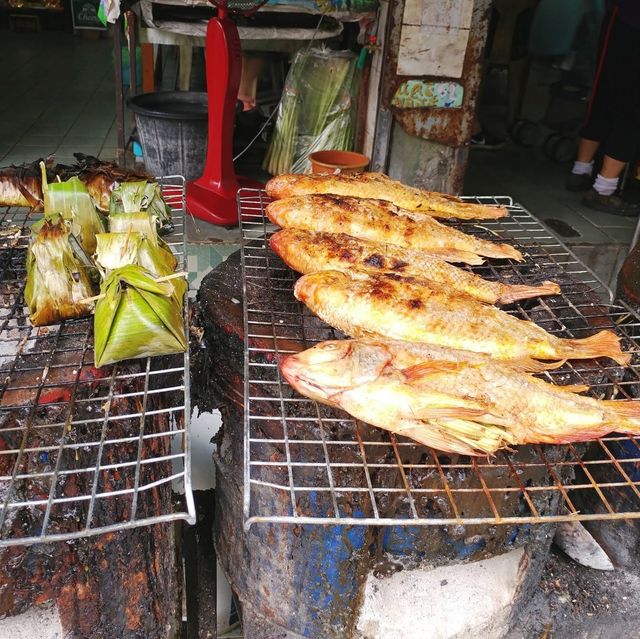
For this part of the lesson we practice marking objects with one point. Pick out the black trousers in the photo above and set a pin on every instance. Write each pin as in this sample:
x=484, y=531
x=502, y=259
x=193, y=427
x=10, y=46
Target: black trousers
x=613, y=116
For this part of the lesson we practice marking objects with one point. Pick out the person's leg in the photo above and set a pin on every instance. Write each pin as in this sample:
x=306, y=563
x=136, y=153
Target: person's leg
x=620, y=82
x=611, y=168
x=587, y=150
x=606, y=181
x=597, y=121
x=580, y=177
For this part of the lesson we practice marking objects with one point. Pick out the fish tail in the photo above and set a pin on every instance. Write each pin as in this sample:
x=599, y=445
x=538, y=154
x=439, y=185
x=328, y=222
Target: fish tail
x=602, y=344
x=629, y=411
x=525, y=291
x=508, y=251
x=455, y=207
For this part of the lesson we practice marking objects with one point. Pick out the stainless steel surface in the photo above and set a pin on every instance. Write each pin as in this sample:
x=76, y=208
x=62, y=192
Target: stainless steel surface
x=65, y=465
x=278, y=325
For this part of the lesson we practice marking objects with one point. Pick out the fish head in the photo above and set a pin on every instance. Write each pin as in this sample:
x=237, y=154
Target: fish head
x=308, y=285
x=335, y=366
x=279, y=240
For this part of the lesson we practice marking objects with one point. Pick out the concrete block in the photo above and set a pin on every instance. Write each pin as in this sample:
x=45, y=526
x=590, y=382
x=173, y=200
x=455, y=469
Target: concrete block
x=463, y=601
x=41, y=622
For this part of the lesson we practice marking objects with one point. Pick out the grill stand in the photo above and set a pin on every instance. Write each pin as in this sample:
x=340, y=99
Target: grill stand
x=90, y=469
x=295, y=580
x=296, y=472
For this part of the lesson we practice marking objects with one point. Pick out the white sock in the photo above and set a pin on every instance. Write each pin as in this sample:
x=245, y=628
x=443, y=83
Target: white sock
x=605, y=186
x=582, y=168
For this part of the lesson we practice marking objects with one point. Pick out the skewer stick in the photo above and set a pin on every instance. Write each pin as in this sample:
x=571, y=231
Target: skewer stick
x=164, y=278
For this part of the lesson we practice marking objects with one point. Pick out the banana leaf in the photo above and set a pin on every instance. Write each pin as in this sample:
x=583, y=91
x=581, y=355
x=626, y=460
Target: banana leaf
x=121, y=249
x=139, y=222
x=137, y=317
x=131, y=197
x=57, y=281
x=71, y=199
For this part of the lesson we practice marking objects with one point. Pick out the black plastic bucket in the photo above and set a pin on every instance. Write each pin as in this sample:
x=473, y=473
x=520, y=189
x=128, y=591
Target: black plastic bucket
x=172, y=126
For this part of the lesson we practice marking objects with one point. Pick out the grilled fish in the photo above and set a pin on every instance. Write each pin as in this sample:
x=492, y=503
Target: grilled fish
x=377, y=185
x=387, y=305
x=378, y=221
x=451, y=400
x=308, y=252
x=22, y=185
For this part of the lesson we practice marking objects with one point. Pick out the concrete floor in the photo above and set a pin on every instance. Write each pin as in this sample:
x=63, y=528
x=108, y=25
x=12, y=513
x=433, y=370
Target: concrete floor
x=598, y=239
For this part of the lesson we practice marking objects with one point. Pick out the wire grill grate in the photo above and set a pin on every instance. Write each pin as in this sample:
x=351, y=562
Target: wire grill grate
x=306, y=463
x=84, y=450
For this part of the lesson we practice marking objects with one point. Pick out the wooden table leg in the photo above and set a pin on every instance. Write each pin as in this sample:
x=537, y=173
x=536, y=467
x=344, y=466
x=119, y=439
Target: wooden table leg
x=184, y=67
x=148, y=84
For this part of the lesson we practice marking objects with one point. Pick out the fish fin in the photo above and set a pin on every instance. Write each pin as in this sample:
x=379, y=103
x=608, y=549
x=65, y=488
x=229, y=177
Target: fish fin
x=431, y=367
x=602, y=344
x=523, y=291
x=482, y=439
x=456, y=256
x=530, y=365
x=574, y=388
x=441, y=412
x=434, y=435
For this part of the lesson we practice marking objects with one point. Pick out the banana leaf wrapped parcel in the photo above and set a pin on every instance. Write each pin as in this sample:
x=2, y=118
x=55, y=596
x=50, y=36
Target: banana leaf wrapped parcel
x=132, y=197
x=71, y=199
x=115, y=250
x=58, y=283
x=137, y=317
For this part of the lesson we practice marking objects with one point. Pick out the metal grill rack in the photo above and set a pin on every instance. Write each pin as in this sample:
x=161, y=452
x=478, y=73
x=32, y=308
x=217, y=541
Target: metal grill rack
x=85, y=451
x=306, y=463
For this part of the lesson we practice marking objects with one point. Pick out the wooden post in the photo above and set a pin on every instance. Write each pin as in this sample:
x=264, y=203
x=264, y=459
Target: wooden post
x=148, y=84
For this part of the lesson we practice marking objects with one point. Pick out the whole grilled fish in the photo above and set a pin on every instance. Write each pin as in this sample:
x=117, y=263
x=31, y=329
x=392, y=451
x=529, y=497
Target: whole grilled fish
x=452, y=400
x=379, y=221
x=308, y=252
x=379, y=186
x=387, y=305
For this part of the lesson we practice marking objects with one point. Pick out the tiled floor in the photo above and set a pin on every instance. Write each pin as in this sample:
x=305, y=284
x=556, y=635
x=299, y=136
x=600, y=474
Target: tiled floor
x=56, y=96
x=538, y=184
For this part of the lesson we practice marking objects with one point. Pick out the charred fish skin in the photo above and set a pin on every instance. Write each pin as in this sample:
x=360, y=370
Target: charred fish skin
x=386, y=306
x=379, y=222
x=451, y=400
x=308, y=252
x=377, y=255
x=377, y=185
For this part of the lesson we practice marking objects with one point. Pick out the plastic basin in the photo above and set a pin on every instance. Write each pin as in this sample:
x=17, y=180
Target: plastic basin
x=172, y=127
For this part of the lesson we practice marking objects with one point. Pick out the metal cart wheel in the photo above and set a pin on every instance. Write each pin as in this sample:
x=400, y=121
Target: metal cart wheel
x=525, y=133
x=564, y=149
x=514, y=129
x=549, y=143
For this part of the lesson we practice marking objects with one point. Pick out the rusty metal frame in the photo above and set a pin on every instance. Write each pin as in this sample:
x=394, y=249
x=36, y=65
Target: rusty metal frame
x=448, y=126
